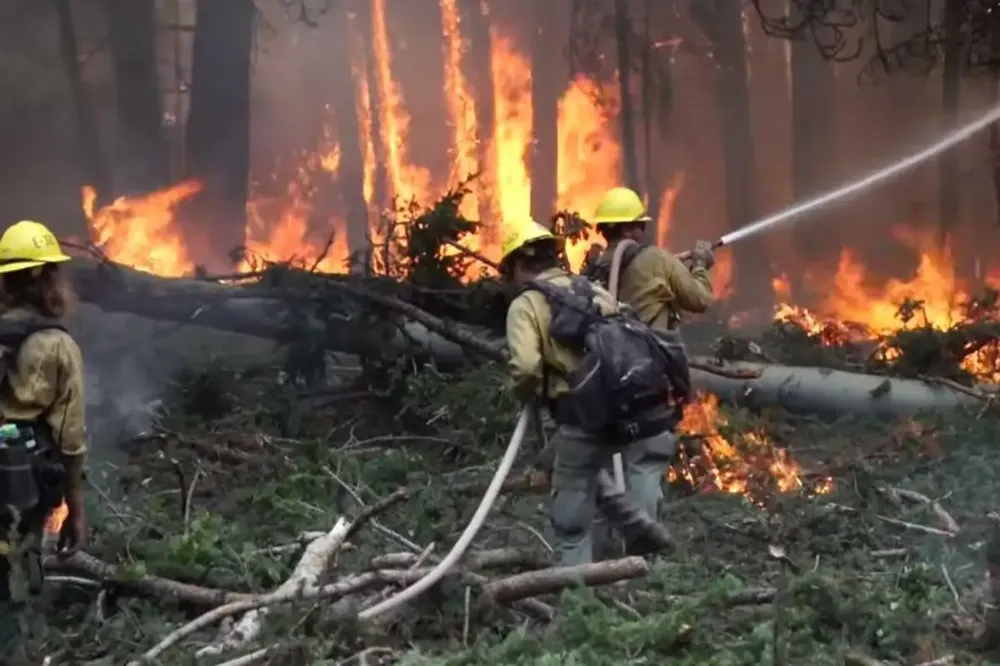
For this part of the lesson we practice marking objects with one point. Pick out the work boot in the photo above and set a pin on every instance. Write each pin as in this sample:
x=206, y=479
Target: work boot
x=655, y=539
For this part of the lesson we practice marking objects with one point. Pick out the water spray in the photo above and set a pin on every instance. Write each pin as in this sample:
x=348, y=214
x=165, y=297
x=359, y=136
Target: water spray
x=862, y=184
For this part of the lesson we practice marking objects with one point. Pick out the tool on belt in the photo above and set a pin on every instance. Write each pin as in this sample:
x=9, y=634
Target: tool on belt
x=32, y=481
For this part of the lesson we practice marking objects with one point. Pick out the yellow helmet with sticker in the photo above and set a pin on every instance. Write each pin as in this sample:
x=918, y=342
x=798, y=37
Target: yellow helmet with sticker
x=28, y=244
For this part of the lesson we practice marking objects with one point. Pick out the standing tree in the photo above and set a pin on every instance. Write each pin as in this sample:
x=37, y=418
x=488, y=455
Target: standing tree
x=547, y=75
x=722, y=23
x=218, y=123
x=141, y=153
x=351, y=175
x=623, y=40
x=479, y=72
x=949, y=197
x=94, y=168
x=812, y=103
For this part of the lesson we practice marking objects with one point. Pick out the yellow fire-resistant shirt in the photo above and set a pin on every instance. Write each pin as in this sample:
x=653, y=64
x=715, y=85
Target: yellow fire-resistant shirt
x=534, y=355
x=46, y=382
x=657, y=285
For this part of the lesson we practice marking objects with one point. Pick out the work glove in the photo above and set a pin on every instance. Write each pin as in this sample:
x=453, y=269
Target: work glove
x=702, y=255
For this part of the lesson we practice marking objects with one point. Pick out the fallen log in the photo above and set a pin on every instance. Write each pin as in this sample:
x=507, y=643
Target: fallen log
x=260, y=311
x=250, y=309
x=829, y=393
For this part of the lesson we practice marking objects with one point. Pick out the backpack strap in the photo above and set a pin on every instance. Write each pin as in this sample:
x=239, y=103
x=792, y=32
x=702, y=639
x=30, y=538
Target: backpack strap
x=625, y=253
x=13, y=332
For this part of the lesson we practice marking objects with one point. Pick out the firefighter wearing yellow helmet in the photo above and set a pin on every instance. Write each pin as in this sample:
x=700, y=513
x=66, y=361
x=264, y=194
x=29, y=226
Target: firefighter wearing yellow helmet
x=658, y=286
x=42, y=436
x=540, y=367
x=652, y=280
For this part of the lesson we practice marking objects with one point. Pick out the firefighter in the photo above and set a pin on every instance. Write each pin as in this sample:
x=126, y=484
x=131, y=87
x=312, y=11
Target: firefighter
x=539, y=367
x=658, y=286
x=43, y=437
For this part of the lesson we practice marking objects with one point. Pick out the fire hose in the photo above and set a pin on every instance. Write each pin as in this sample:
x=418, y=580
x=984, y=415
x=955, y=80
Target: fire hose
x=458, y=550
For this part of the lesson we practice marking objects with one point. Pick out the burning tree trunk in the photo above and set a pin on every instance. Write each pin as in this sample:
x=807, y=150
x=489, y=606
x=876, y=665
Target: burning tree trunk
x=479, y=71
x=722, y=22
x=218, y=124
x=141, y=148
x=812, y=99
x=623, y=37
x=546, y=82
x=951, y=88
x=351, y=175
x=380, y=189
x=92, y=162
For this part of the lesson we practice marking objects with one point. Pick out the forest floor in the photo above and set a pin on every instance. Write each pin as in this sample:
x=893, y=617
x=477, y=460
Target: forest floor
x=879, y=556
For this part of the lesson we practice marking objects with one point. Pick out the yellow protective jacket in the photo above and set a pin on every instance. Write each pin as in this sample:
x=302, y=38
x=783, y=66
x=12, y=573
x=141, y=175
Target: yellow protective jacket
x=659, y=286
x=534, y=355
x=46, y=383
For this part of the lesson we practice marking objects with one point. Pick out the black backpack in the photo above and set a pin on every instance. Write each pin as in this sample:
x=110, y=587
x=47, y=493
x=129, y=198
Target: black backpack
x=30, y=477
x=628, y=373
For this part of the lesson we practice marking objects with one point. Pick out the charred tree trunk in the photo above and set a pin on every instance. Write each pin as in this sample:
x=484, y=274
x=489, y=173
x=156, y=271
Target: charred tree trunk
x=722, y=22
x=479, y=72
x=623, y=37
x=949, y=197
x=812, y=100
x=93, y=166
x=657, y=105
x=351, y=175
x=546, y=83
x=217, y=145
x=141, y=155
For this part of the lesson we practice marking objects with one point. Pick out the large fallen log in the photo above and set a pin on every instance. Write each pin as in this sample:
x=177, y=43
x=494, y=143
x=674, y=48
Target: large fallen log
x=246, y=309
x=261, y=311
x=826, y=392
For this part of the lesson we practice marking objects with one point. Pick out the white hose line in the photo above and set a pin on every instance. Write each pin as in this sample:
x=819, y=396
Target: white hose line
x=458, y=550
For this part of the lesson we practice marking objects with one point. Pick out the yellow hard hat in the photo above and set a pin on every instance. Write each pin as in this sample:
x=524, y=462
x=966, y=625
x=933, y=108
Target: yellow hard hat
x=520, y=234
x=620, y=205
x=28, y=244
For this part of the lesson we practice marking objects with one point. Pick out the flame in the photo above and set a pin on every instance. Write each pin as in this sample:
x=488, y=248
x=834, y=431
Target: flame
x=854, y=310
x=290, y=239
x=514, y=120
x=406, y=181
x=142, y=232
x=461, y=107
x=54, y=523
x=721, y=465
x=291, y=219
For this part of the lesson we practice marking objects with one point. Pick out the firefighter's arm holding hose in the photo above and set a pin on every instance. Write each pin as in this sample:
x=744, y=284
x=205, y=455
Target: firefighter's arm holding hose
x=690, y=283
x=48, y=385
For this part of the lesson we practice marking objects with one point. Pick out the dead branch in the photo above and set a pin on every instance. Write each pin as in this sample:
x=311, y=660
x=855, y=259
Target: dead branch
x=547, y=581
x=148, y=585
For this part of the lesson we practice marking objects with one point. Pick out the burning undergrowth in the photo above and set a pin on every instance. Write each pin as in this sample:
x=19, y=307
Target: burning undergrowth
x=247, y=466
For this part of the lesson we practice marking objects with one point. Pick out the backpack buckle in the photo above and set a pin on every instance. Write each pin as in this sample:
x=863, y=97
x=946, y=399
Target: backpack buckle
x=632, y=429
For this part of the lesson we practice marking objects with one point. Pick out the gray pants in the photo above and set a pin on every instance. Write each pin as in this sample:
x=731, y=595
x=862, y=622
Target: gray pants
x=581, y=486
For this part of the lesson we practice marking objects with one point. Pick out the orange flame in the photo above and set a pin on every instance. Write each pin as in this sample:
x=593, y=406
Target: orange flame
x=54, y=523
x=853, y=310
x=720, y=465
x=142, y=232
